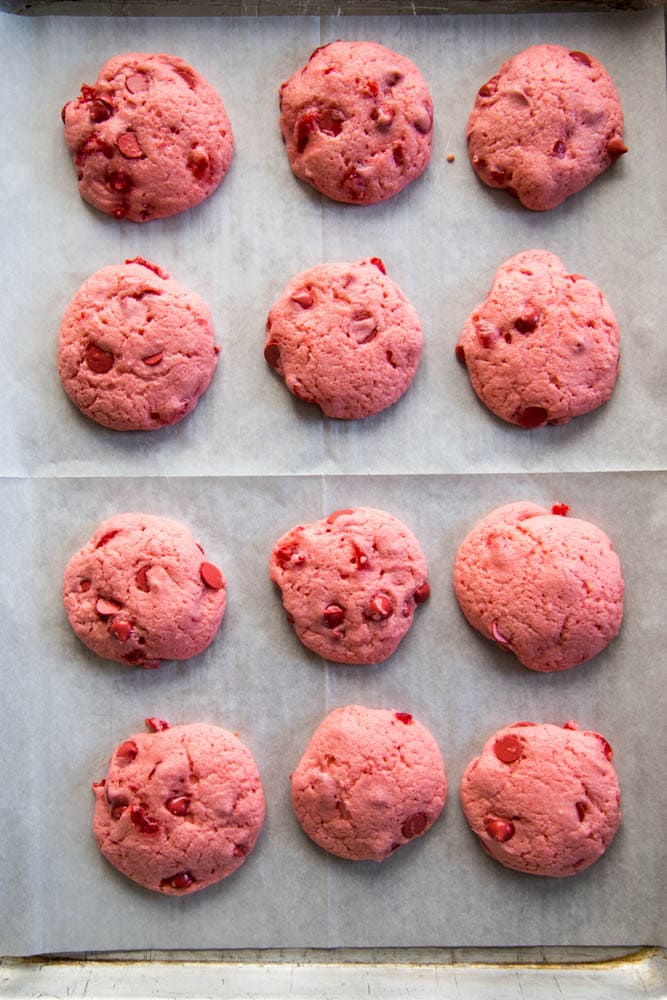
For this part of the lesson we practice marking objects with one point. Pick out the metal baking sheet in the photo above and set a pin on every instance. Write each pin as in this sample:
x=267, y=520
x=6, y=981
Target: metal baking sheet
x=250, y=462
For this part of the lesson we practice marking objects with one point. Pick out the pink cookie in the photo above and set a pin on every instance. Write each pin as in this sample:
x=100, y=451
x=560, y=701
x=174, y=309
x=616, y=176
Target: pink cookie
x=369, y=782
x=543, y=799
x=357, y=121
x=546, y=125
x=136, y=350
x=149, y=139
x=141, y=591
x=180, y=808
x=543, y=346
x=545, y=586
x=350, y=583
x=345, y=337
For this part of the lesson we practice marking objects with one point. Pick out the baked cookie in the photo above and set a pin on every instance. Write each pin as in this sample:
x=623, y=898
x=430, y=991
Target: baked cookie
x=350, y=583
x=136, y=350
x=543, y=799
x=369, y=782
x=357, y=121
x=545, y=586
x=345, y=337
x=149, y=139
x=543, y=346
x=180, y=808
x=141, y=591
x=545, y=125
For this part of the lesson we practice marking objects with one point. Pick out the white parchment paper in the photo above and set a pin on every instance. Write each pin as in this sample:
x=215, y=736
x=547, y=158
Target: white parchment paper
x=251, y=462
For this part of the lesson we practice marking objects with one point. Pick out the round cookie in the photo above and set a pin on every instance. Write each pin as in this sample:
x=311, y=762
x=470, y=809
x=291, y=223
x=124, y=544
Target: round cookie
x=369, y=782
x=545, y=125
x=180, y=808
x=543, y=346
x=543, y=799
x=141, y=591
x=357, y=121
x=345, y=337
x=135, y=349
x=149, y=139
x=350, y=583
x=545, y=586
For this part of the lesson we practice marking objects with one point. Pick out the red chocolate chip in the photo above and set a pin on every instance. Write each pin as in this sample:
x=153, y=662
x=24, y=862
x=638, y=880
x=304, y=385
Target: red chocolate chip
x=240, y=851
x=126, y=752
x=183, y=880
x=178, y=805
x=560, y=509
x=118, y=807
x=559, y=149
x=489, y=88
x=302, y=298
x=616, y=147
x=330, y=121
x=498, y=175
x=414, y=825
x=508, y=749
x=272, y=354
x=327, y=120
x=581, y=810
x=404, y=717
x=85, y=585
x=422, y=593
x=304, y=126
x=142, y=821
x=129, y=146
x=156, y=725
x=532, y=417
x=500, y=829
x=119, y=180
x=379, y=607
x=370, y=89
x=98, y=360
x=100, y=784
x=515, y=724
x=288, y=555
x=424, y=120
x=141, y=579
x=354, y=183
x=570, y=724
x=360, y=557
x=198, y=163
x=398, y=154
x=379, y=263
x=498, y=636
x=211, y=576
x=154, y=359
x=100, y=111
x=581, y=57
x=136, y=83
x=333, y=615
x=460, y=354
x=121, y=212
x=528, y=322
x=606, y=747
x=337, y=513
x=121, y=630
x=105, y=607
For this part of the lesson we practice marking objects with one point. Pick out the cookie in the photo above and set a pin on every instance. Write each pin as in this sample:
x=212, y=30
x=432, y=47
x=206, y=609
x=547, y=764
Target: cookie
x=357, y=122
x=142, y=591
x=350, y=583
x=180, y=808
x=545, y=586
x=546, y=125
x=345, y=337
x=149, y=139
x=135, y=349
x=543, y=799
x=543, y=346
x=369, y=782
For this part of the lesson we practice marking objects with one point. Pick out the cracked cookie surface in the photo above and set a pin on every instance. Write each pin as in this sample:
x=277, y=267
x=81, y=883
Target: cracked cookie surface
x=369, y=782
x=345, y=337
x=350, y=583
x=135, y=348
x=180, y=808
x=357, y=121
x=543, y=799
x=150, y=138
x=545, y=586
x=546, y=125
x=142, y=591
x=543, y=347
